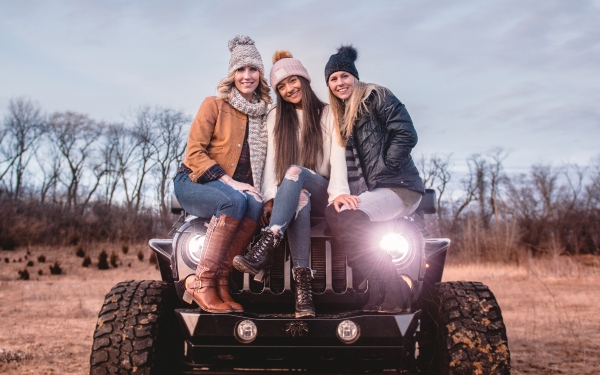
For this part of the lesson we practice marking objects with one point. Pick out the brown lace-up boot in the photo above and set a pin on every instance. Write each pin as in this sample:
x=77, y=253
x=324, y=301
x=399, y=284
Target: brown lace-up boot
x=240, y=242
x=203, y=288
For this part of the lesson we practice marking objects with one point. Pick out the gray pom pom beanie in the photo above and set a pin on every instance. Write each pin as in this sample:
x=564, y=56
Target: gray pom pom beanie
x=343, y=60
x=244, y=53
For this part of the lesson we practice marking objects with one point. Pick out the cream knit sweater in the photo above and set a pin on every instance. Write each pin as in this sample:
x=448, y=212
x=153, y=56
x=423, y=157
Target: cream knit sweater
x=332, y=167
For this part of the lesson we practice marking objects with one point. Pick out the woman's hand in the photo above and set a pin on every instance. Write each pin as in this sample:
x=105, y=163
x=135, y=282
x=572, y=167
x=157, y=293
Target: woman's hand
x=350, y=201
x=266, y=216
x=239, y=186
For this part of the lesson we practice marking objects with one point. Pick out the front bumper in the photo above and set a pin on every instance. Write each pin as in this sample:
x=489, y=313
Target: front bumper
x=284, y=342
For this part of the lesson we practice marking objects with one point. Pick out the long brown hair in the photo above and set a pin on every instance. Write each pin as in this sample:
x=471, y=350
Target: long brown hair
x=345, y=114
x=287, y=149
x=226, y=85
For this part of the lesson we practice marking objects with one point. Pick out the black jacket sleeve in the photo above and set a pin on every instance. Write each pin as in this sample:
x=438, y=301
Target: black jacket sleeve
x=401, y=136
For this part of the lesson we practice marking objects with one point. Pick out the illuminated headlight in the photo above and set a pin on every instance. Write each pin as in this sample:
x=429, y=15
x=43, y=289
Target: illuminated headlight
x=348, y=332
x=396, y=245
x=194, y=247
x=246, y=331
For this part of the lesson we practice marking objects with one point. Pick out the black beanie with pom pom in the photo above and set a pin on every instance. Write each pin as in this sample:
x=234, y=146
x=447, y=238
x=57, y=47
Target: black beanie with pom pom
x=343, y=60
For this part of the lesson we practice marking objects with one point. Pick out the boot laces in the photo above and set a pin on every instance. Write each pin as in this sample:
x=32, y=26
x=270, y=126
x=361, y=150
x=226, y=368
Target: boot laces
x=266, y=241
x=303, y=286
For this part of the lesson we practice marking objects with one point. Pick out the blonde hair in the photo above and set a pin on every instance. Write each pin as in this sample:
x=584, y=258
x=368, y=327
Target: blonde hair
x=225, y=88
x=344, y=116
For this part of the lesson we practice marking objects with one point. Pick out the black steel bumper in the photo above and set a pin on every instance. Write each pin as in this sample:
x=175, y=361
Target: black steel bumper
x=284, y=342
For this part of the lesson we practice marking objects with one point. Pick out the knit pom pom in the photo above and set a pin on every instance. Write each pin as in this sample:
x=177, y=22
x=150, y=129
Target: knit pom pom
x=281, y=54
x=240, y=40
x=349, y=51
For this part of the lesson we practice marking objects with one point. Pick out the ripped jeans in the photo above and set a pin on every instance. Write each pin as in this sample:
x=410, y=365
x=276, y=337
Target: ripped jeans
x=215, y=198
x=301, y=192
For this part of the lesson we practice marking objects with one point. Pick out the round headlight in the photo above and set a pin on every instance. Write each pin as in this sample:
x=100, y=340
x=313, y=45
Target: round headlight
x=246, y=331
x=194, y=247
x=348, y=332
x=395, y=244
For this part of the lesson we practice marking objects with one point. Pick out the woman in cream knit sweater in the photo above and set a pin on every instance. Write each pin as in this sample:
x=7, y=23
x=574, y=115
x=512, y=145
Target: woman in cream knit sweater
x=298, y=178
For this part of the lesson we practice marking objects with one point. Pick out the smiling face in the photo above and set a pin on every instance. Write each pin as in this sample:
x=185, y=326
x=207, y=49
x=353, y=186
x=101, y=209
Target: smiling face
x=246, y=81
x=341, y=84
x=290, y=90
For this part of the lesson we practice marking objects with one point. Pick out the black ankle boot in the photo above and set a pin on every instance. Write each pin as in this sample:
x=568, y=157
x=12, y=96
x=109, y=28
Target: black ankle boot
x=305, y=307
x=397, y=292
x=260, y=258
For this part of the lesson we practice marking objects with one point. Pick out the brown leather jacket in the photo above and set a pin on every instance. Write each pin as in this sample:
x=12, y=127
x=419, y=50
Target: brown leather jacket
x=216, y=137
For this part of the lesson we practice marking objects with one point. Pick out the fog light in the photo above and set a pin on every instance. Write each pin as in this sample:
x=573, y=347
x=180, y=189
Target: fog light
x=348, y=332
x=246, y=331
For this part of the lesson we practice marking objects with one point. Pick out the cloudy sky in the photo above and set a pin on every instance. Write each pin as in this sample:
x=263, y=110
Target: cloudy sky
x=474, y=75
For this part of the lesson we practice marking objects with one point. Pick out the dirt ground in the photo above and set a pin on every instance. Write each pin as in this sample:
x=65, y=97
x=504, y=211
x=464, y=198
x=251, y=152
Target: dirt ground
x=549, y=308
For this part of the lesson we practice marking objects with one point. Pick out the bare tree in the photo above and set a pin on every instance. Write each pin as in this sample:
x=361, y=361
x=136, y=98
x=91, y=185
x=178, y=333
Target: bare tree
x=144, y=133
x=169, y=148
x=23, y=127
x=494, y=171
x=50, y=167
x=74, y=136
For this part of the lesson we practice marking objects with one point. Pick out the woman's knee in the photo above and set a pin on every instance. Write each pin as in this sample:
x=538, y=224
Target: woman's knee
x=294, y=172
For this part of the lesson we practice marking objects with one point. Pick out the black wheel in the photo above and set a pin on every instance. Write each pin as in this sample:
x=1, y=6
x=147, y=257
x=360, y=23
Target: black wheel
x=136, y=331
x=462, y=331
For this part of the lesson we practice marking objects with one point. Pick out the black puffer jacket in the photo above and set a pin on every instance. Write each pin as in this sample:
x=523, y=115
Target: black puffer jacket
x=385, y=137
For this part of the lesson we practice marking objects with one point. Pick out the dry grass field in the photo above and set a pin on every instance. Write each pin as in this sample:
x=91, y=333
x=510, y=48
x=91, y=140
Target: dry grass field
x=550, y=309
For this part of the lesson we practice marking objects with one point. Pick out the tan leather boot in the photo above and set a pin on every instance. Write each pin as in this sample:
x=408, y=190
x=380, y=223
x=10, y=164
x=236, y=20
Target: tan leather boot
x=203, y=288
x=240, y=242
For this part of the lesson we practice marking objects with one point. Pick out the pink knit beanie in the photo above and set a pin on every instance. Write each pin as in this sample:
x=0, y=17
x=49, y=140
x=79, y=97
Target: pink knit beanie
x=284, y=65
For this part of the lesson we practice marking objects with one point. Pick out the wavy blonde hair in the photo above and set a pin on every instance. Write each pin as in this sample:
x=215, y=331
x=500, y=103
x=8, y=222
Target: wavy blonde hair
x=225, y=88
x=344, y=116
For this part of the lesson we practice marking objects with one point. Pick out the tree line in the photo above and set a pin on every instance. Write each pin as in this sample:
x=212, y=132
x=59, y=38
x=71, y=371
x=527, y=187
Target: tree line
x=66, y=178
x=549, y=210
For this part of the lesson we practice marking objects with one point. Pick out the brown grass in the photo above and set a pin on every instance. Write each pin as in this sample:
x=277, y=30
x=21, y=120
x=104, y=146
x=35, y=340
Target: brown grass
x=549, y=308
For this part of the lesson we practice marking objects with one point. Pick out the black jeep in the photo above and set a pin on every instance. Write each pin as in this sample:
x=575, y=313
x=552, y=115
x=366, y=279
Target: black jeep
x=144, y=327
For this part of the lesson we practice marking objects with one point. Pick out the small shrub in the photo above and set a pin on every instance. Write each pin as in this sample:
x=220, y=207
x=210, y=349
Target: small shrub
x=6, y=260
x=86, y=261
x=42, y=259
x=125, y=249
x=103, y=261
x=129, y=264
x=153, y=259
x=55, y=269
x=140, y=255
x=80, y=253
x=113, y=260
x=30, y=264
x=24, y=275
x=74, y=241
x=26, y=257
x=20, y=260
x=40, y=272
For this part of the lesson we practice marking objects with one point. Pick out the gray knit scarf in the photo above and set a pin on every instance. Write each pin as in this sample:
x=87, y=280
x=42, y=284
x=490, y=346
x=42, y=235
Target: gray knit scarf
x=257, y=131
x=356, y=180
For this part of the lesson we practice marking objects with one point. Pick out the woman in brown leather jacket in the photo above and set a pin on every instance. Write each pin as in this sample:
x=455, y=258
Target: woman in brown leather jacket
x=221, y=173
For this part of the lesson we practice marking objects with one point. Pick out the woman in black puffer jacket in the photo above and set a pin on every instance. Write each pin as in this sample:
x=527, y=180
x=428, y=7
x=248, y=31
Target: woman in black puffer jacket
x=384, y=183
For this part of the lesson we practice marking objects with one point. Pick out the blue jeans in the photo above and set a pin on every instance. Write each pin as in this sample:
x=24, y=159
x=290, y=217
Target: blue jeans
x=215, y=198
x=301, y=193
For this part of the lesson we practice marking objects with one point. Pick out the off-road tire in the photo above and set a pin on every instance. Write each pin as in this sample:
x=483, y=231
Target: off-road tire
x=135, y=330
x=462, y=331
